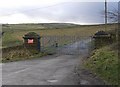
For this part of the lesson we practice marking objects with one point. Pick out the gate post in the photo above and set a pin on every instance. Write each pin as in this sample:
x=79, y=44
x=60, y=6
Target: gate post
x=32, y=42
x=101, y=39
x=92, y=42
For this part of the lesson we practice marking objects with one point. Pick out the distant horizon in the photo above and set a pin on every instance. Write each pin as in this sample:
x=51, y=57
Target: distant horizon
x=60, y=23
x=55, y=22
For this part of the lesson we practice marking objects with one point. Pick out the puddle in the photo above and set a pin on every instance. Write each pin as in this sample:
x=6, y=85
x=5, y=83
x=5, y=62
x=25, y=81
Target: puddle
x=83, y=82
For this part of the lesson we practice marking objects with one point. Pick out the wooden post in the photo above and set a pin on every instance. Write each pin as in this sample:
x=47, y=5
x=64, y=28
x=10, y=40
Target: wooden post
x=105, y=15
x=119, y=39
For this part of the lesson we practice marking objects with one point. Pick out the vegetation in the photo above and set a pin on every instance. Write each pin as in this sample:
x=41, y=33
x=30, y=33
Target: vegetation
x=19, y=53
x=104, y=63
x=14, y=33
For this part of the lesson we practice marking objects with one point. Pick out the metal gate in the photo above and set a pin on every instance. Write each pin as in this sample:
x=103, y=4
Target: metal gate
x=67, y=44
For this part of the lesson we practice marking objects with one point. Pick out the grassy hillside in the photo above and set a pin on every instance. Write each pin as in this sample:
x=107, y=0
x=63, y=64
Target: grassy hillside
x=14, y=32
x=104, y=63
x=37, y=26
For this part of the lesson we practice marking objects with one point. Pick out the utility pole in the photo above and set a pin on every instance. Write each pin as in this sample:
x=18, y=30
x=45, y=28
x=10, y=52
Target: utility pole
x=105, y=15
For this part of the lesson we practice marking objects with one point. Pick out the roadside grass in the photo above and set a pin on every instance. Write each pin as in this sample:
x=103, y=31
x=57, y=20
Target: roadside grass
x=4, y=60
x=104, y=63
x=19, y=53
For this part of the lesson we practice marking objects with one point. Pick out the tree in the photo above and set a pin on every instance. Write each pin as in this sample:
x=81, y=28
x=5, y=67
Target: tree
x=113, y=15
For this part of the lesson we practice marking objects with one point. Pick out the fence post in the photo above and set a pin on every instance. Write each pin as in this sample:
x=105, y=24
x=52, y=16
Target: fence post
x=39, y=44
x=92, y=42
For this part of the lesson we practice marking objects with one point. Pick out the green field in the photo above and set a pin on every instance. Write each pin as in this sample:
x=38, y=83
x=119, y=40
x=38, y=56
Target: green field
x=14, y=32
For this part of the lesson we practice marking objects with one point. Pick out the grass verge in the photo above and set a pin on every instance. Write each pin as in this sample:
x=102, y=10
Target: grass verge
x=4, y=60
x=104, y=63
x=19, y=53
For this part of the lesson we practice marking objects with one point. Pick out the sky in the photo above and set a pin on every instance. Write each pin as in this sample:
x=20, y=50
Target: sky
x=54, y=11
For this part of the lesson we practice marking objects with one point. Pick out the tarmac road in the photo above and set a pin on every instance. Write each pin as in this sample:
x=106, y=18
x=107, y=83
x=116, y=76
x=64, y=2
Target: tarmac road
x=49, y=70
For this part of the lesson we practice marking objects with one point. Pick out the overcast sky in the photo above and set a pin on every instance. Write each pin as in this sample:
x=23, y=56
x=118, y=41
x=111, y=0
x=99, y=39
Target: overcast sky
x=54, y=11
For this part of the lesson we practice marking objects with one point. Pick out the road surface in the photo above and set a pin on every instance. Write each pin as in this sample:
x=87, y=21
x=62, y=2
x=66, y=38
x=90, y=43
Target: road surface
x=49, y=70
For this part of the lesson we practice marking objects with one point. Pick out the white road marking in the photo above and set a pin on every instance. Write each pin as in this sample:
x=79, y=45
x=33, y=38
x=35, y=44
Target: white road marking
x=52, y=80
x=18, y=71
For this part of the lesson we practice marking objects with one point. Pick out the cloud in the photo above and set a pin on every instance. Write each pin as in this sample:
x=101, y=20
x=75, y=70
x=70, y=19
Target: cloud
x=21, y=18
x=75, y=11
x=15, y=18
x=54, y=11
